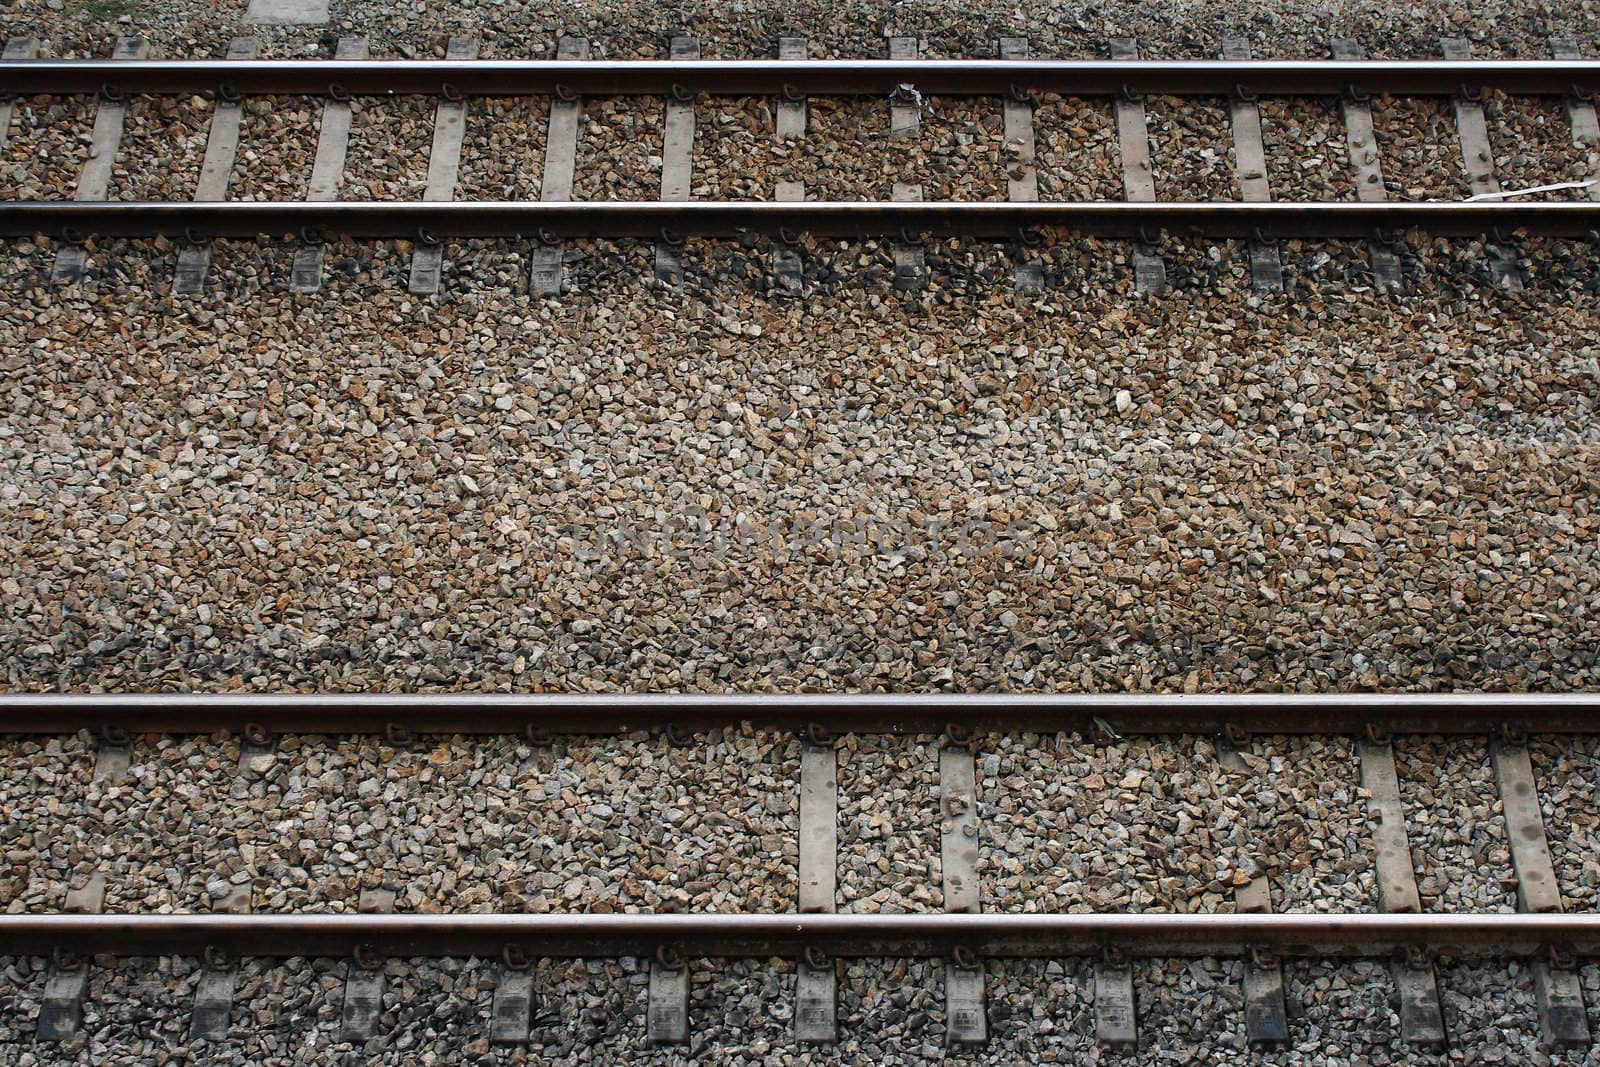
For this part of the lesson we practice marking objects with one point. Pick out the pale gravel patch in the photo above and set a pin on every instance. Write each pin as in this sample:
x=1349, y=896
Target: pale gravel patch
x=891, y=1011
x=1162, y=826
x=592, y=1011
x=619, y=149
x=888, y=833
x=1418, y=148
x=1078, y=157
x=22, y=980
x=129, y=1007
x=1567, y=778
x=1081, y=826
x=1531, y=138
x=1307, y=156
x=1339, y=1013
x=277, y=148
x=46, y=148
x=1491, y=1013
x=42, y=785
x=391, y=139
x=159, y=834
x=163, y=145
x=290, y=1009
x=334, y=817
x=1191, y=148
x=956, y=152
x=708, y=827
x=736, y=150
x=1455, y=826
x=503, y=150
x=1313, y=836
x=1188, y=1005
x=1039, y=1011
x=846, y=153
x=624, y=825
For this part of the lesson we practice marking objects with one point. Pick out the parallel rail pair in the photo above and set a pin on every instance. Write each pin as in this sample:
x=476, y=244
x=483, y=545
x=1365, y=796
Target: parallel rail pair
x=1550, y=944
x=1550, y=941
x=793, y=80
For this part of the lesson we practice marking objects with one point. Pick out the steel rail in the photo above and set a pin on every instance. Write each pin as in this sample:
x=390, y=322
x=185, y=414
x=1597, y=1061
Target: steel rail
x=838, y=77
x=1299, y=934
x=581, y=713
x=76, y=220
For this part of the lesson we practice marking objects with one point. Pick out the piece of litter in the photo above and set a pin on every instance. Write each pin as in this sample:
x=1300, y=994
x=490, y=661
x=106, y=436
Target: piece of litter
x=907, y=92
x=1534, y=189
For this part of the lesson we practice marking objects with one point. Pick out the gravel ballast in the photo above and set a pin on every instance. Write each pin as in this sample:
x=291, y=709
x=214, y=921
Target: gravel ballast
x=163, y=144
x=724, y=488
x=45, y=151
x=43, y=786
x=1567, y=777
x=1327, y=488
x=1419, y=149
x=390, y=141
x=588, y=825
x=1076, y=147
x=1455, y=826
x=277, y=147
x=1307, y=155
x=1191, y=148
x=889, y=1011
x=635, y=28
x=888, y=832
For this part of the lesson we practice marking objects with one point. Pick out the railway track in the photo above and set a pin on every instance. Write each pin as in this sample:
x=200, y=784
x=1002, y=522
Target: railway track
x=1267, y=934
x=903, y=82
x=77, y=928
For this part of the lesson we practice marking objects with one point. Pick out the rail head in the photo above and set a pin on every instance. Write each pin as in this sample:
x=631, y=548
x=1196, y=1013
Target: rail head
x=1306, y=935
x=836, y=77
x=541, y=715
x=549, y=221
